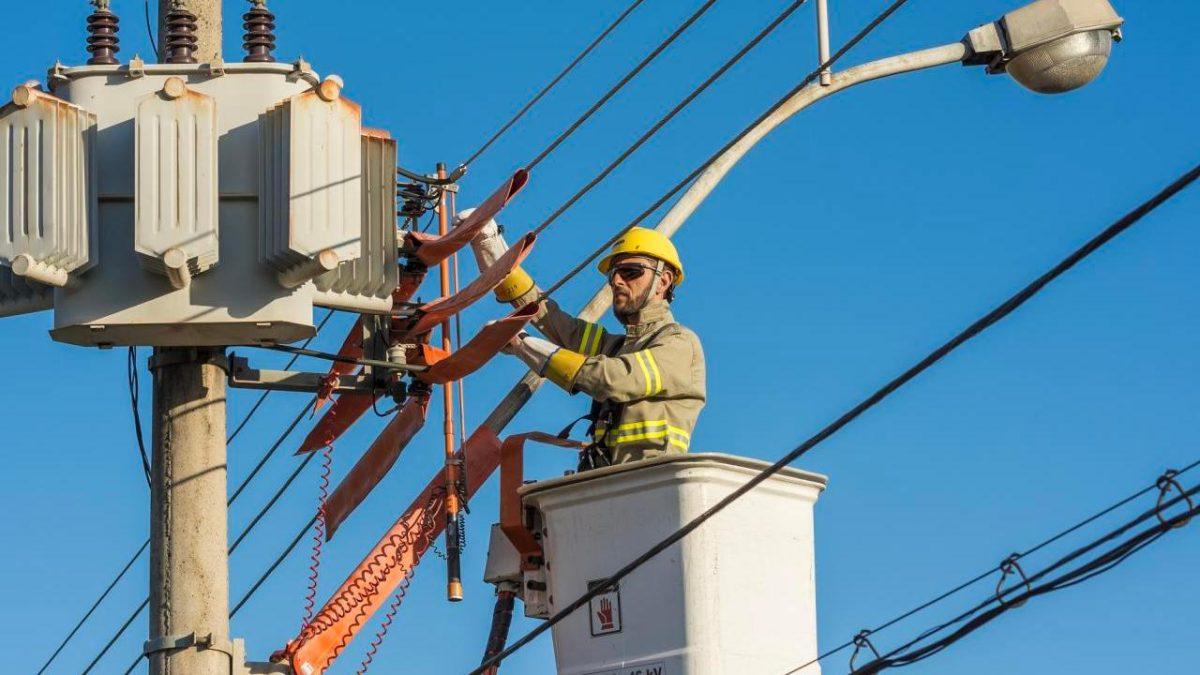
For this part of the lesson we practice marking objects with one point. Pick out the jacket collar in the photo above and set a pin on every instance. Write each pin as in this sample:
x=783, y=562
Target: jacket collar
x=655, y=315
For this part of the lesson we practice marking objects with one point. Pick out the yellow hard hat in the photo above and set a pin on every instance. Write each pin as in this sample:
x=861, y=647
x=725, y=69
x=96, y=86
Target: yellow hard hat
x=642, y=241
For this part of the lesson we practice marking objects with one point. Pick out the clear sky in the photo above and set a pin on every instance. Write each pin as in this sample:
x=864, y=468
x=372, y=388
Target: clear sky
x=847, y=245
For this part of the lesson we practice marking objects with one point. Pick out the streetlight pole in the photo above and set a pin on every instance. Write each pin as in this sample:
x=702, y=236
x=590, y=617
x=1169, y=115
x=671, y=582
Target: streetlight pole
x=189, y=566
x=840, y=81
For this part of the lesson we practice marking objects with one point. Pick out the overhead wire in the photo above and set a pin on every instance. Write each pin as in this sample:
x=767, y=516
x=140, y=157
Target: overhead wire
x=674, y=190
x=552, y=83
x=991, y=570
x=657, y=126
x=149, y=30
x=263, y=397
x=135, y=406
x=980, y=325
x=338, y=358
x=233, y=498
x=1085, y=571
x=565, y=134
x=275, y=565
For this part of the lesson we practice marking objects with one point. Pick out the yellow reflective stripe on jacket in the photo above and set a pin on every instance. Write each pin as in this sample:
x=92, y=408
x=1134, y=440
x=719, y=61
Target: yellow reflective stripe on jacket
x=654, y=383
x=658, y=381
x=590, y=344
x=652, y=429
x=645, y=370
x=679, y=437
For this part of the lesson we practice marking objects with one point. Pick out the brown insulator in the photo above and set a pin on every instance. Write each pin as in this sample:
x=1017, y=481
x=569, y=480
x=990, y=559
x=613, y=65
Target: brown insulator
x=181, y=36
x=259, y=40
x=103, y=42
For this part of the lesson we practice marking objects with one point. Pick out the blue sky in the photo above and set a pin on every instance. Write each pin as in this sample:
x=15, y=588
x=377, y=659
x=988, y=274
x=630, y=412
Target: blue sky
x=855, y=239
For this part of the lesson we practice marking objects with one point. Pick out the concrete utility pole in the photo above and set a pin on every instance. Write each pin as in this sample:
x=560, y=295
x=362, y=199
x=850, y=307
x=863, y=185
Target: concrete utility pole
x=208, y=20
x=189, y=566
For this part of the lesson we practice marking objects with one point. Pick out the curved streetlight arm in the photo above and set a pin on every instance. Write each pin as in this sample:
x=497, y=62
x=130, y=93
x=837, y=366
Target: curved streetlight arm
x=894, y=65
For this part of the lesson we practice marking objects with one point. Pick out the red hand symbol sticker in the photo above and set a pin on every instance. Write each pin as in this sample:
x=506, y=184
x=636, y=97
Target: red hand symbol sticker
x=605, y=614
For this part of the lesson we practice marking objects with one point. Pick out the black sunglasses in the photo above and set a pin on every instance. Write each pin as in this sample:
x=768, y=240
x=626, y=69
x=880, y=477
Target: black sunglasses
x=628, y=271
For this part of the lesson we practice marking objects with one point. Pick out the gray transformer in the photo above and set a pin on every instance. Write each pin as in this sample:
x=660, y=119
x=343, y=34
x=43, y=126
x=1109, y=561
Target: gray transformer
x=192, y=205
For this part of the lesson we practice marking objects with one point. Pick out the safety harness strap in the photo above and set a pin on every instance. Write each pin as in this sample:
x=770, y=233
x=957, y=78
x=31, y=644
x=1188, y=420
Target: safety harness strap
x=597, y=453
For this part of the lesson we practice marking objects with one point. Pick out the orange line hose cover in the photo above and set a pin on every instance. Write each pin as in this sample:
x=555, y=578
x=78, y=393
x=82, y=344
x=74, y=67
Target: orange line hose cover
x=386, y=565
x=431, y=249
x=375, y=463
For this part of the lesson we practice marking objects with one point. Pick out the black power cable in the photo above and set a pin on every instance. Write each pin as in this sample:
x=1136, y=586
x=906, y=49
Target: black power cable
x=808, y=79
x=135, y=405
x=338, y=358
x=620, y=84
x=991, y=570
x=792, y=7
x=991, y=318
x=275, y=565
x=263, y=397
x=546, y=89
x=1089, y=569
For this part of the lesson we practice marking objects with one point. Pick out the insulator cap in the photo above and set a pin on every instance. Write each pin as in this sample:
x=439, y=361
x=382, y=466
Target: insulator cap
x=103, y=43
x=259, y=40
x=181, y=36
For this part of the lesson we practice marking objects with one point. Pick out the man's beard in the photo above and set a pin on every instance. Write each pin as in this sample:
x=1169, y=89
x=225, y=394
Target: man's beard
x=633, y=307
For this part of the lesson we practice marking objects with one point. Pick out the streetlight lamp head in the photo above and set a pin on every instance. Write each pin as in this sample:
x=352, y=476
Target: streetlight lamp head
x=1063, y=64
x=1048, y=46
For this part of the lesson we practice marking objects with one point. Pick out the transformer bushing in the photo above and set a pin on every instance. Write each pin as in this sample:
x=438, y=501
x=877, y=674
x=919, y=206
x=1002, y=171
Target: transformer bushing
x=259, y=39
x=103, y=43
x=181, y=36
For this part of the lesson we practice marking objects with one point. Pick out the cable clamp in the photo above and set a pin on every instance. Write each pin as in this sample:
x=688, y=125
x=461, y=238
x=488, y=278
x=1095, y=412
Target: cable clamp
x=1007, y=567
x=861, y=640
x=1164, y=484
x=170, y=643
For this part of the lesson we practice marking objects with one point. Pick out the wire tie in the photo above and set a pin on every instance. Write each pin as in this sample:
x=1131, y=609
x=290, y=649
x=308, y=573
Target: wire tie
x=1164, y=484
x=1007, y=567
x=861, y=640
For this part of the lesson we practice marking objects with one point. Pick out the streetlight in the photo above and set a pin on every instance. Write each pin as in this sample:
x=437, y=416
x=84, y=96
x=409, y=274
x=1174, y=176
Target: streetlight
x=1048, y=46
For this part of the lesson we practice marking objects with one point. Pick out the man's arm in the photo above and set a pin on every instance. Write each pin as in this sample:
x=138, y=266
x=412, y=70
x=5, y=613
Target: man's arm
x=519, y=289
x=669, y=367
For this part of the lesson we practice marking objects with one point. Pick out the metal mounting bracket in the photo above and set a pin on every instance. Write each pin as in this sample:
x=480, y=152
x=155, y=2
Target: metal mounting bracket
x=216, y=68
x=55, y=76
x=242, y=376
x=137, y=67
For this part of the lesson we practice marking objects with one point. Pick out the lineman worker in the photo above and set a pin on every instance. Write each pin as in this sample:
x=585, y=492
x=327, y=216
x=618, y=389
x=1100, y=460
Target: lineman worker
x=647, y=386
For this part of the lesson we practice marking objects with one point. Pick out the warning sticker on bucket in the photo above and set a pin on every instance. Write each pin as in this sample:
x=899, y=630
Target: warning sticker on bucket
x=605, y=610
x=655, y=668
